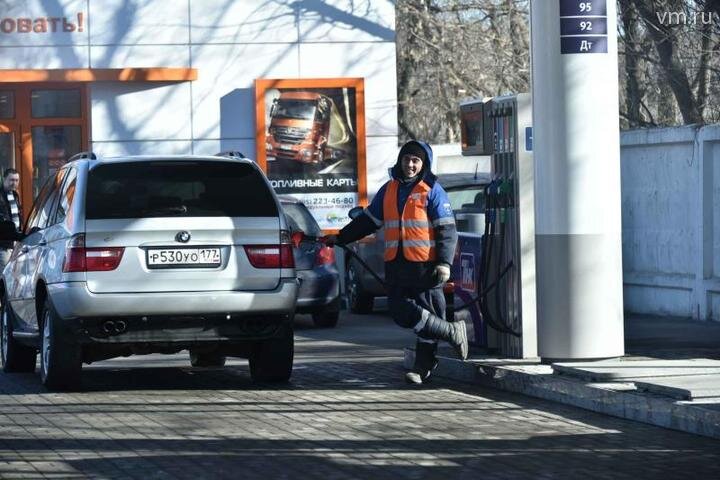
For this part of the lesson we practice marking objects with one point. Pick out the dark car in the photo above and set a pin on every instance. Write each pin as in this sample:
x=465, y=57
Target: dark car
x=319, y=293
x=467, y=197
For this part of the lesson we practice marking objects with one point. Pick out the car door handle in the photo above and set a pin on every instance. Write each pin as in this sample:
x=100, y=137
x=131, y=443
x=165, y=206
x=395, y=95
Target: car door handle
x=25, y=249
x=42, y=243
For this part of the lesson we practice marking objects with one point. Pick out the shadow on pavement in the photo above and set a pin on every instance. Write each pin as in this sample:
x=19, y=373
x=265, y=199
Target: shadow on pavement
x=559, y=456
x=671, y=337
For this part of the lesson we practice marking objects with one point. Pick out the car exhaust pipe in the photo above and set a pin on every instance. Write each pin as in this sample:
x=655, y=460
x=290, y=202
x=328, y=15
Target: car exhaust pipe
x=111, y=327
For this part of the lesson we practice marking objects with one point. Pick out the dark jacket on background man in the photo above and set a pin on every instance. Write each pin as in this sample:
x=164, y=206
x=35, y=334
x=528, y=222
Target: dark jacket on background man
x=6, y=214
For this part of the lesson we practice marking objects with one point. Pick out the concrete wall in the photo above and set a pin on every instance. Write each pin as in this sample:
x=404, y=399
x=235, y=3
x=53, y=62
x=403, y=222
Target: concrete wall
x=230, y=43
x=671, y=221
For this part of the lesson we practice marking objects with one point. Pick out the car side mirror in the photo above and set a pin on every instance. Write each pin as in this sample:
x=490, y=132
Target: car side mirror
x=355, y=212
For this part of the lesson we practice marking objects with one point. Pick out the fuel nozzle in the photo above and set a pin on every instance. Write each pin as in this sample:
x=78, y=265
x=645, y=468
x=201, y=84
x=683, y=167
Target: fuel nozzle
x=491, y=199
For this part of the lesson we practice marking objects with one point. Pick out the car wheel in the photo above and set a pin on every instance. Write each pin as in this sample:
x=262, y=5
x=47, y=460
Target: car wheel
x=325, y=319
x=204, y=359
x=60, y=357
x=271, y=360
x=15, y=356
x=359, y=300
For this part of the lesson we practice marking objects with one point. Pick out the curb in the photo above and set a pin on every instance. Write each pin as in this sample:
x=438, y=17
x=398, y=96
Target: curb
x=613, y=398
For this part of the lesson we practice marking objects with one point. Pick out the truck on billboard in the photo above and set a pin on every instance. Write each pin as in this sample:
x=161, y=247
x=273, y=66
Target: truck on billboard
x=306, y=127
x=311, y=143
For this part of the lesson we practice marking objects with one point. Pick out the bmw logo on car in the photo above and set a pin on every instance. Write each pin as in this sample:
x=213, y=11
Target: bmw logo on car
x=183, y=237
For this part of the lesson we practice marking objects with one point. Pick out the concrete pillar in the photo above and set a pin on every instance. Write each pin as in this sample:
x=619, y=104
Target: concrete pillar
x=577, y=179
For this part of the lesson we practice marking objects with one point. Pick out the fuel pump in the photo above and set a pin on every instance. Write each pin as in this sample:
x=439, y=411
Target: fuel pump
x=501, y=127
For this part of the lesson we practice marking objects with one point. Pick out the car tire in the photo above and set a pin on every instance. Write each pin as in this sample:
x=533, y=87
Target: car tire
x=325, y=318
x=205, y=359
x=359, y=300
x=271, y=360
x=15, y=357
x=60, y=356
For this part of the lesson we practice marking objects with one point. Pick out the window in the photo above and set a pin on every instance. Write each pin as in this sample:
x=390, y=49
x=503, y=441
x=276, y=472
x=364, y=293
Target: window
x=52, y=146
x=66, y=197
x=33, y=218
x=7, y=104
x=7, y=150
x=178, y=189
x=45, y=215
x=469, y=199
x=302, y=219
x=63, y=103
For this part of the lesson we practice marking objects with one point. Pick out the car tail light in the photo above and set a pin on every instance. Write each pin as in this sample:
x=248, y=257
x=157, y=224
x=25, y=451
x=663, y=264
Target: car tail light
x=325, y=256
x=287, y=257
x=270, y=256
x=78, y=258
x=103, y=259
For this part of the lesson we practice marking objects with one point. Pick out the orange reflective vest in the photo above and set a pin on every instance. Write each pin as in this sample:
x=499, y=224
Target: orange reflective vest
x=413, y=228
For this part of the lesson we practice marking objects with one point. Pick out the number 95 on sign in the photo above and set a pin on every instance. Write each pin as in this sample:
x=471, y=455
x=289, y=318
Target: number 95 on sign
x=580, y=8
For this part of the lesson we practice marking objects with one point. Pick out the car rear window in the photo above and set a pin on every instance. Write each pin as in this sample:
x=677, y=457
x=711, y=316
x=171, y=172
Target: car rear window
x=303, y=218
x=470, y=199
x=178, y=189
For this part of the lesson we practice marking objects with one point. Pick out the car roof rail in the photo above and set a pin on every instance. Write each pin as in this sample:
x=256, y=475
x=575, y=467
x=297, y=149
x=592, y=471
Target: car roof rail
x=231, y=154
x=83, y=156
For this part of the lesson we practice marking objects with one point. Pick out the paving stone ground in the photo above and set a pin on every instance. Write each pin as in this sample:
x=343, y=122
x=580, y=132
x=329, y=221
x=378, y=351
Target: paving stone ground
x=347, y=414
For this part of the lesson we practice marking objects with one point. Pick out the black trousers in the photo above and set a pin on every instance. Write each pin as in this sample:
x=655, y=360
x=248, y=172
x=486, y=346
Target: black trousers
x=406, y=304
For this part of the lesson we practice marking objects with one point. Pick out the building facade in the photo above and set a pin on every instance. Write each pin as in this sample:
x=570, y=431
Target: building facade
x=178, y=76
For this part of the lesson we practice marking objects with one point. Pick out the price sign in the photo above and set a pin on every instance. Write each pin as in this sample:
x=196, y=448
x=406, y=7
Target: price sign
x=583, y=44
x=583, y=8
x=583, y=26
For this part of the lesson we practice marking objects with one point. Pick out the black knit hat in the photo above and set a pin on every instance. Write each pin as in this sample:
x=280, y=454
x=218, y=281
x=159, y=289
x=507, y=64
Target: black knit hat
x=413, y=148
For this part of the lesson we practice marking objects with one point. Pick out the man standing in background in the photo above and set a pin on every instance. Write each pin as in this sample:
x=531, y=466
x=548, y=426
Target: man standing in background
x=10, y=210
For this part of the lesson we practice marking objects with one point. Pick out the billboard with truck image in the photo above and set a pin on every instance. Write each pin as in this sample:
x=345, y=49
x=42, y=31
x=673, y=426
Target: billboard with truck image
x=311, y=143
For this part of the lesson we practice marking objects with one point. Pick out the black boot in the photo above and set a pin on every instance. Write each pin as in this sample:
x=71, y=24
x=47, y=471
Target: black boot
x=425, y=362
x=455, y=333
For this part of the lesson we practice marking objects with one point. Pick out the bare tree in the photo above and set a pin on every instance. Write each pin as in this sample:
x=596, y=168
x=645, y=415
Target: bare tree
x=448, y=50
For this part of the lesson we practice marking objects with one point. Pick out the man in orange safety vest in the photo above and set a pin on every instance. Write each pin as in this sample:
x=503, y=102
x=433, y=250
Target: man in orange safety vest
x=420, y=238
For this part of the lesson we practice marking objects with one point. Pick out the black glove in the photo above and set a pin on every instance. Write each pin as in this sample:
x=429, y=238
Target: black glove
x=329, y=240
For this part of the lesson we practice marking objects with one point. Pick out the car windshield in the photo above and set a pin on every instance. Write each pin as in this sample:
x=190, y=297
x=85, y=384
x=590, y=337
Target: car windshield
x=296, y=109
x=178, y=189
x=302, y=217
x=470, y=199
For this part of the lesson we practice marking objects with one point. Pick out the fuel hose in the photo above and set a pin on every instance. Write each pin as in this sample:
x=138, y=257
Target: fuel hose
x=476, y=300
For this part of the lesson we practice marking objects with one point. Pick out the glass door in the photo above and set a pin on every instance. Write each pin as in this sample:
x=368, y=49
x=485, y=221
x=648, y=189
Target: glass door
x=42, y=125
x=52, y=145
x=9, y=141
x=9, y=147
x=56, y=129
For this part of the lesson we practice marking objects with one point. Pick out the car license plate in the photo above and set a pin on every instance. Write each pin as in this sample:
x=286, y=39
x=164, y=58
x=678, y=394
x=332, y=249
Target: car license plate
x=183, y=257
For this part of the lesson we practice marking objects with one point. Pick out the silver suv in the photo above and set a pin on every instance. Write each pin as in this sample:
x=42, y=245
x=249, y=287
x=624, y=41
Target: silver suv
x=138, y=255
